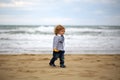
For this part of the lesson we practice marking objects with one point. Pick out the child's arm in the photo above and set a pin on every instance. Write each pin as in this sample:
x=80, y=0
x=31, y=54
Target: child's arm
x=55, y=43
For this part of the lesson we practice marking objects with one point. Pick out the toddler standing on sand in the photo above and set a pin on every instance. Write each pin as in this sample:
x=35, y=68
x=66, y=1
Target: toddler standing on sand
x=58, y=46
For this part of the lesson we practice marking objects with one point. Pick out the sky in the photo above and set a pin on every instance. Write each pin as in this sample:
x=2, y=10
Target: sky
x=66, y=12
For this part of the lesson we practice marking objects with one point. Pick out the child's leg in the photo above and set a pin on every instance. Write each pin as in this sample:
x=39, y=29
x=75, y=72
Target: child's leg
x=61, y=58
x=54, y=58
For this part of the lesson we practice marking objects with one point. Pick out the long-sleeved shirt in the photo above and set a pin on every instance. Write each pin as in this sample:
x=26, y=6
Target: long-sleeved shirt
x=58, y=42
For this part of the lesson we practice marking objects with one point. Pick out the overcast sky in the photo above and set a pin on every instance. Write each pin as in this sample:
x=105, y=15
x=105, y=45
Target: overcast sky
x=66, y=12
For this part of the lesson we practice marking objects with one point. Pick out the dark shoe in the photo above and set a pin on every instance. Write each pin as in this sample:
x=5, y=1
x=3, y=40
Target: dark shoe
x=53, y=65
x=62, y=66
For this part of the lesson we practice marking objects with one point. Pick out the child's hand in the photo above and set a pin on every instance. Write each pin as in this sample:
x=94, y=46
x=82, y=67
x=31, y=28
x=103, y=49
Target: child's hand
x=56, y=50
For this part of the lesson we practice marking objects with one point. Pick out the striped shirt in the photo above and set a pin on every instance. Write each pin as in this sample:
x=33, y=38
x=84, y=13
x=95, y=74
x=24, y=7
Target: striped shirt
x=58, y=42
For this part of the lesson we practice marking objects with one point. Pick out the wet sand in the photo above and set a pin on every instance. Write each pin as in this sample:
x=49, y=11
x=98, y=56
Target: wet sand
x=79, y=67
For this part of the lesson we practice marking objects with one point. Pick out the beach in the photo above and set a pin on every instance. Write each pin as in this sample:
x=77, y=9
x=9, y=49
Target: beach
x=79, y=67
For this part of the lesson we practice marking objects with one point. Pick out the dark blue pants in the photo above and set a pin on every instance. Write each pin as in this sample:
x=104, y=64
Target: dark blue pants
x=57, y=55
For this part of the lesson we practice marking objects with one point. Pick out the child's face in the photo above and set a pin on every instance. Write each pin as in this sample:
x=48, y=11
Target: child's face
x=61, y=32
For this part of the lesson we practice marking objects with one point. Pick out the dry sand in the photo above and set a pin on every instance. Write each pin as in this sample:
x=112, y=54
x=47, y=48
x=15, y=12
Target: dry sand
x=79, y=67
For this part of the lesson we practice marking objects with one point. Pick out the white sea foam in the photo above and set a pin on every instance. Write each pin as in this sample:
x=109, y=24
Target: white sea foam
x=38, y=39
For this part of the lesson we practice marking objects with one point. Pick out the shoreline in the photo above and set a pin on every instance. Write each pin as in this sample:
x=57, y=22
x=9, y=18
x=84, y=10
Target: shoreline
x=66, y=53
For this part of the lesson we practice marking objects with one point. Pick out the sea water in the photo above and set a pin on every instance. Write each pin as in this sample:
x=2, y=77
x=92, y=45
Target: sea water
x=38, y=39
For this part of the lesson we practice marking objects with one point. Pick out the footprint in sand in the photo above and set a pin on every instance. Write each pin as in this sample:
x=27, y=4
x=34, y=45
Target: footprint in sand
x=88, y=73
x=78, y=59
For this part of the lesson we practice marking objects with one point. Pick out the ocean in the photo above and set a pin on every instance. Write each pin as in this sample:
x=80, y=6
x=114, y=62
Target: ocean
x=38, y=39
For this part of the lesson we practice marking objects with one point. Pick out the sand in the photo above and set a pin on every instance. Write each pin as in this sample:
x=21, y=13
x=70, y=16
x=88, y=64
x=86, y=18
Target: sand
x=79, y=67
